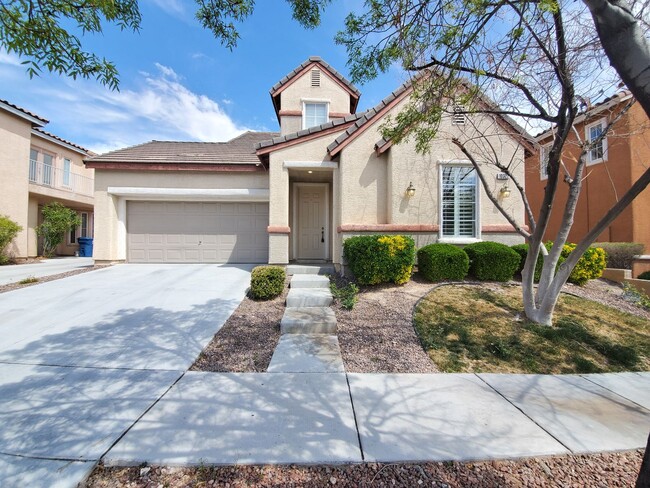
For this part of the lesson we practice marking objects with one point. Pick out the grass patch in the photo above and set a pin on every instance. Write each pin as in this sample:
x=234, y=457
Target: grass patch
x=28, y=281
x=479, y=329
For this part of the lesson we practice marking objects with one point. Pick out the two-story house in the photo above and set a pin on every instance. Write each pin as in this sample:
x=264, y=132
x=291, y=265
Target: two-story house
x=37, y=168
x=294, y=196
x=612, y=166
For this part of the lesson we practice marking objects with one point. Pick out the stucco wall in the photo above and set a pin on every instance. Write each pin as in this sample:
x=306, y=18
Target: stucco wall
x=110, y=232
x=15, y=135
x=604, y=182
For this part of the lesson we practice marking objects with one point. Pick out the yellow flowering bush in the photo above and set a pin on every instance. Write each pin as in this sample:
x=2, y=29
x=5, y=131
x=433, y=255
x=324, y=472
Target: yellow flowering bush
x=378, y=259
x=589, y=267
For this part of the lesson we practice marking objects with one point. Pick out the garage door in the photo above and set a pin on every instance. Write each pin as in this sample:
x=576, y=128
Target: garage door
x=195, y=232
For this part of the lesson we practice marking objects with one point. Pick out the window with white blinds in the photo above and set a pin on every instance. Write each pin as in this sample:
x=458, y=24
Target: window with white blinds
x=459, y=202
x=314, y=114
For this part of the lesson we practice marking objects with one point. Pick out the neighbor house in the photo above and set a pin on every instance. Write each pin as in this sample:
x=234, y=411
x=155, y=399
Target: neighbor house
x=37, y=168
x=612, y=166
x=296, y=195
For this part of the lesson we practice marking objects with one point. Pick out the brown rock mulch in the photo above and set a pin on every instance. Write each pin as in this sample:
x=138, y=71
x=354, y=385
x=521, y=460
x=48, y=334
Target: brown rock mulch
x=605, y=469
x=377, y=335
x=247, y=340
x=44, y=279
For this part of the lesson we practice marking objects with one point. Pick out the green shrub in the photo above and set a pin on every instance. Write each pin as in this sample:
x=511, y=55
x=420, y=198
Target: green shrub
x=346, y=295
x=380, y=259
x=522, y=250
x=57, y=221
x=8, y=231
x=267, y=282
x=439, y=262
x=644, y=276
x=589, y=267
x=492, y=261
x=621, y=254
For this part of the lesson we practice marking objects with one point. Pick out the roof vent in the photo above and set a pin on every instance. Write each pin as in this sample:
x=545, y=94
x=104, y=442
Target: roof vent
x=458, y=117
x=315, y=77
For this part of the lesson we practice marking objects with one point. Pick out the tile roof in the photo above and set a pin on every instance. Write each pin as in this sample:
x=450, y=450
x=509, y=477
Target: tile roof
x=305, y=132
x=319, y=60
x=368, y=115
x=24, y=111
x=240, y=150
x=60, y=139
x=604, y=104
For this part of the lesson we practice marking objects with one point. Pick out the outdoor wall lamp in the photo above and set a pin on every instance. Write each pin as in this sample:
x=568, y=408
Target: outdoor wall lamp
x=410, y=191
x=505, y=191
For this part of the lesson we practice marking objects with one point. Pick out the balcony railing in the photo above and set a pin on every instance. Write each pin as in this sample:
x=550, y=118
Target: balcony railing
x=47, y=175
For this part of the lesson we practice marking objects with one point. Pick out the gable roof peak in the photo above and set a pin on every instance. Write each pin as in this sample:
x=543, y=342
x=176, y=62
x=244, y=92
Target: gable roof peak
x=289, y=77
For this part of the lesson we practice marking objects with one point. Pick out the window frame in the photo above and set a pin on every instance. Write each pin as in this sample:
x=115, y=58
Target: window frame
x=603, y=124
x=306, y=102
x=78, y=232
x=455, y=239
x=67, y=173
x=543, y=175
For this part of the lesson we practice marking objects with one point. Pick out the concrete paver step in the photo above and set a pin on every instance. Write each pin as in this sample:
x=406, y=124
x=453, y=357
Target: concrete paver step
x=307, y=353
x=308, y=320
x=309, y=297
x=309, y=281
x=294, y=269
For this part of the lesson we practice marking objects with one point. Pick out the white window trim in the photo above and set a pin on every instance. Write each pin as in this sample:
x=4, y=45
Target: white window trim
x=454, y=239
x=77, y=230
x=543, y=176
x=69, y=173
x=305, y=101
x=603, y=123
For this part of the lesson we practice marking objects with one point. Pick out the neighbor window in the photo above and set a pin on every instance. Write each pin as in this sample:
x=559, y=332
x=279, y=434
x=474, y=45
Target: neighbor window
x=598, y=152
x=66, y=172
x=82, y=230
x=48, y=169
x=315, y=114
x=459, y=202
x=543, y=161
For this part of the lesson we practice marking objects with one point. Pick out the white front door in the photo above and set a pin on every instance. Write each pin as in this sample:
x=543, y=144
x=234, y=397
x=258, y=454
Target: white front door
x=312, y=221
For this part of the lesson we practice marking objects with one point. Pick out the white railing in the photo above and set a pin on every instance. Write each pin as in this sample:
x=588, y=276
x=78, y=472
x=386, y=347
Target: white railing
x=47, y=175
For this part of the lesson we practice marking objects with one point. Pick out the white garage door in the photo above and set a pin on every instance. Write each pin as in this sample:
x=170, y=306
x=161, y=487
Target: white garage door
x=196, y=232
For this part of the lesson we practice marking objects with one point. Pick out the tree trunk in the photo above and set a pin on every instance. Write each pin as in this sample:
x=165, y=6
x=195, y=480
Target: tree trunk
x=626, y=47
x=643, y=481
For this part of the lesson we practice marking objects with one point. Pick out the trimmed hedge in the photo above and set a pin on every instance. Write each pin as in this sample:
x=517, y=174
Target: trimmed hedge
x=437, y=262
x=378, y=259
x=267, y=282
x=492, y=261
x=522, y=250
x=621, y=254
x=644, y=276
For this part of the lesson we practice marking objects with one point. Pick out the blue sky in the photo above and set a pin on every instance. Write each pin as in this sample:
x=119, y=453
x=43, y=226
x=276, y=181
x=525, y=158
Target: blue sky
x=178, y=82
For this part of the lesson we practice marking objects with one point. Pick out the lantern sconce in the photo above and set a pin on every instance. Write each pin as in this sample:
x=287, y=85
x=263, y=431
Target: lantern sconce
x=505, y=191
x=410, y=191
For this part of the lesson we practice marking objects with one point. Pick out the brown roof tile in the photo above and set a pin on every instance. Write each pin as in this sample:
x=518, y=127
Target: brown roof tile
x=303, y=65
x=24, y=111
x=60, y=139
x=240, y=150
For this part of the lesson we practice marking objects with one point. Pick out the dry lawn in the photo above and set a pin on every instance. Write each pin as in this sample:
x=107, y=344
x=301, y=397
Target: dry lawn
x=479, y=329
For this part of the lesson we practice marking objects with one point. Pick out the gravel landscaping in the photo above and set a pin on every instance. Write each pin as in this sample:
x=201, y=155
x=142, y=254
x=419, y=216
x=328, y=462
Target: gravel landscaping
x=247, y=340
x=597, y=470
x=43, y=279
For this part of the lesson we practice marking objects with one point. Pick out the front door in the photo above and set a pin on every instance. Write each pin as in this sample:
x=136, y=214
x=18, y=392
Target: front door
x=312, y=221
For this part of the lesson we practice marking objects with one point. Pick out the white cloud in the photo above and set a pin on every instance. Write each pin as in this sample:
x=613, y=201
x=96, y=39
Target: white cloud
x=9, y=58
x=172, y=7
x=226, y=101
x=159, y=107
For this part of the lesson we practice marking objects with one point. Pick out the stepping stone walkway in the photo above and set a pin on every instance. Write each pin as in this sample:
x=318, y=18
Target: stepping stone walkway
x=308, y=343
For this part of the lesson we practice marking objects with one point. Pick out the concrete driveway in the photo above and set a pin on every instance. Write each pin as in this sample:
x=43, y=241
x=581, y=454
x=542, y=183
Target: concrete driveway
x=82, y=358
x=46, y=267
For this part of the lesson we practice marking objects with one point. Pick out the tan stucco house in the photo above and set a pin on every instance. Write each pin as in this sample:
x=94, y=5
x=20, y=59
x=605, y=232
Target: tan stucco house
x=298, y=194
x=37, y=168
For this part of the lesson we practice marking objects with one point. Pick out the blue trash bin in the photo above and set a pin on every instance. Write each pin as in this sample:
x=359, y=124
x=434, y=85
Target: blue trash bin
x=85, y=246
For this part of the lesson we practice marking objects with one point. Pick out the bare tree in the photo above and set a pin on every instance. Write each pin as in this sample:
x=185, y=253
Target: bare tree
x=533, y=61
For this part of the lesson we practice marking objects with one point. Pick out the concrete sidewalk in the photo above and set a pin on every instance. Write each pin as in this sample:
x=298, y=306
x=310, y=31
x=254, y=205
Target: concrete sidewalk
x=15, y=272
x=289, y=418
